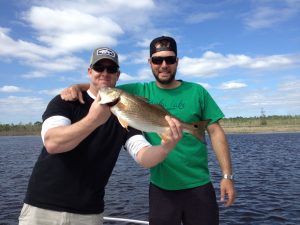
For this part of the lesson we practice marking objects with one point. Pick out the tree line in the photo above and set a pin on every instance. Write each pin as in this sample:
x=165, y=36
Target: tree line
x=21, y=129
x=35, y=128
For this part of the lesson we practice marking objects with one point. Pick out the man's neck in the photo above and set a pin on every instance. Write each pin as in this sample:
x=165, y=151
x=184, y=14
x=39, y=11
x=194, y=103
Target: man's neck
x=172, y=85
x=93, y=91
x=91, y=94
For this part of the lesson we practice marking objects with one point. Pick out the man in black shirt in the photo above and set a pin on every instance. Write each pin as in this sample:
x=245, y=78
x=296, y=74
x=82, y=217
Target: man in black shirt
x=81, y=145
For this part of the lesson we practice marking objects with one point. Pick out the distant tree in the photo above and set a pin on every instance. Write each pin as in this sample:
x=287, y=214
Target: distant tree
x=37, y=123
x=263, y=119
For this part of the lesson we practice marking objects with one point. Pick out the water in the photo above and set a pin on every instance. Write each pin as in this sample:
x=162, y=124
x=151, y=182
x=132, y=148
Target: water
x=267, y=173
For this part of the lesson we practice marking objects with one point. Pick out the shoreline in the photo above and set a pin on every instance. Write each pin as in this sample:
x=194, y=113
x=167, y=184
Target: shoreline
x=227, y=129
x=261, y=129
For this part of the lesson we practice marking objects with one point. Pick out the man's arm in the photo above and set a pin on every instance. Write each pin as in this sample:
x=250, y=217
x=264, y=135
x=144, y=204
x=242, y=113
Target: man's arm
x=65, y=138
x=221, y=149
x=149, y=156
x=74, y=92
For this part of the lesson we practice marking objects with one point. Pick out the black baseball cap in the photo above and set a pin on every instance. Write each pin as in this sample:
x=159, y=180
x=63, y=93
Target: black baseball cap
x=171, y=46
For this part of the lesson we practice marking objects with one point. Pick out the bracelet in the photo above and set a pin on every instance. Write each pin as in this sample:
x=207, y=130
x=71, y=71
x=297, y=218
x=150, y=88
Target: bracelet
x=227, y=176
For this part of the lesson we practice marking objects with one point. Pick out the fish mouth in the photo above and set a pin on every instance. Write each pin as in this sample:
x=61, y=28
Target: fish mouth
x=113, y=103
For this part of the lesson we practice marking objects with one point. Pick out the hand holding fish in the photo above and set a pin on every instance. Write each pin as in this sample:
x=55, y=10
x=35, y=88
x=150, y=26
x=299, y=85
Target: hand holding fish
x=152, y=155
x=172, y=134
x=98, y=113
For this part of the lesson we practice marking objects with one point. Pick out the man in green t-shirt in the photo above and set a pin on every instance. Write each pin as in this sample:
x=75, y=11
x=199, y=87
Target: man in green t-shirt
x=180, y=187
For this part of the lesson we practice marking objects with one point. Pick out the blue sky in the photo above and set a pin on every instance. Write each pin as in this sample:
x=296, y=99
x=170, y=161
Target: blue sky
x=246, y=53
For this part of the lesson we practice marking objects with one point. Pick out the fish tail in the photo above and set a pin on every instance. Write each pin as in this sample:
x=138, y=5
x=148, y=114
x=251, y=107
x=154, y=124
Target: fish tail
x=199, y=130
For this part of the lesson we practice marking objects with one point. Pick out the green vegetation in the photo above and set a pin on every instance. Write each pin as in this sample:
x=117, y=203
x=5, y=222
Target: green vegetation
x=20, y=129
x=261, y=124
x=231, y=125
x=262, y=121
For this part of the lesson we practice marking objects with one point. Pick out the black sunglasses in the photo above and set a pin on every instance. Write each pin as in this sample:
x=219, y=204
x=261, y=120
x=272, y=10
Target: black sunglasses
x=110, y=69
x=157, y=60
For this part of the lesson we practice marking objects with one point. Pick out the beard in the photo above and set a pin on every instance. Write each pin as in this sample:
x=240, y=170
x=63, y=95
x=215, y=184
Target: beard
x=163, y=81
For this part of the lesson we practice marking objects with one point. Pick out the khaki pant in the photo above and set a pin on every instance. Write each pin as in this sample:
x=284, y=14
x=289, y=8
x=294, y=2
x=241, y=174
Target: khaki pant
x=31, y=215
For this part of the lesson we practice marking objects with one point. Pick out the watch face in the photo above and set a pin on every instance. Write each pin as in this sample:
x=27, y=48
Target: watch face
x=226, y=176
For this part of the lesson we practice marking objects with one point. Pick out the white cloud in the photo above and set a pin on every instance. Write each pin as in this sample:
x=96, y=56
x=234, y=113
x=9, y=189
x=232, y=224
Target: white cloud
x=96, y=7
x=35, y=74
x=76, y=26
x=290, y=86
x=268, y=62
x=21, y=109
x=205, y=85
x=211, y=63
x=232, y=85
x=35, y=55
x=12, y=89
x=126, y=77
x=61, y=64
x=265, y=16
x=128, y=15
x=51, y=92
x=201, y=17
x=18, y=49
x=59, y=28
x=144, y=74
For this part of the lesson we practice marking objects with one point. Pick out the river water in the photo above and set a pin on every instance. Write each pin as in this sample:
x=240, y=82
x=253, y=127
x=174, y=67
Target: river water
x=266, y=168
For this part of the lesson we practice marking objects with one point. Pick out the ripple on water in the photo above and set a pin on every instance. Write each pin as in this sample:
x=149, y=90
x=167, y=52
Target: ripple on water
x=266, y=168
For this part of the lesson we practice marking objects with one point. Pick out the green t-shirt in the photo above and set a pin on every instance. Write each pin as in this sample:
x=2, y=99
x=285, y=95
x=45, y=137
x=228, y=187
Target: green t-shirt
x=186, y=166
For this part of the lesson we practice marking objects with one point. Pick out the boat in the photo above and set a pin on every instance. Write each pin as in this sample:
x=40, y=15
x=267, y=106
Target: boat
x=116, y=219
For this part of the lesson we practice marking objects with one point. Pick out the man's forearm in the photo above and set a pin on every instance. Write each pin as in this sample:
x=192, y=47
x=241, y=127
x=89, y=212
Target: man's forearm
x=221, y=148
x=83, y=87
x=152, y=155
x=65, y=138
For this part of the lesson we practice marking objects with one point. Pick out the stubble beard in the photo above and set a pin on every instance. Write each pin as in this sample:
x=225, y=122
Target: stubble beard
x=168, y=81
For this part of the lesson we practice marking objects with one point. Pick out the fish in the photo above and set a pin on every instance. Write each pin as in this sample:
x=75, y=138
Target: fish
x=137, y=112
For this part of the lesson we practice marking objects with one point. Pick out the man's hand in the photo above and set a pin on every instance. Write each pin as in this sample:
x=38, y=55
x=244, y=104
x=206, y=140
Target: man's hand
x=98, y=113
x=72, y=93
x=171, y=136
x=227, y=192
x=152, y=155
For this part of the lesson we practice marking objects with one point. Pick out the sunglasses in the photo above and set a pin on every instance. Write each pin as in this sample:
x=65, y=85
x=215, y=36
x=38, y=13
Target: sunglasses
x=100, y=68
x=157, y=60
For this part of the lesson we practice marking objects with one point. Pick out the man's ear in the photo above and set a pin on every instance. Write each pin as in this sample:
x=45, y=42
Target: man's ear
x=89, y=72
x=118, y=75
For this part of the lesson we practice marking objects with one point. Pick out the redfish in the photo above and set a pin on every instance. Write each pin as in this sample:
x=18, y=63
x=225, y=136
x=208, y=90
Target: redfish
x=137, y=112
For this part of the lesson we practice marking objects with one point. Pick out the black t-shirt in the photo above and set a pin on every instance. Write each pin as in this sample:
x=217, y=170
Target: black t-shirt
x=74, y=181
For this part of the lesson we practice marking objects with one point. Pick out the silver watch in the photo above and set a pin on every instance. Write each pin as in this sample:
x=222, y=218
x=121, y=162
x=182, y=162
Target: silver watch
x=228, y=176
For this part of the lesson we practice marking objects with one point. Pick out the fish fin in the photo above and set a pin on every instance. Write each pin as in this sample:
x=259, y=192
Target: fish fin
x=163, y=137
x=199, y=132
x=108, y=99
x=142, y=98
x=122, y=106
x=123, y=123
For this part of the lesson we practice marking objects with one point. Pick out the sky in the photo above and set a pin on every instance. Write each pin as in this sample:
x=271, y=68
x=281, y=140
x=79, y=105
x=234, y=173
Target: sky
x=246, y=53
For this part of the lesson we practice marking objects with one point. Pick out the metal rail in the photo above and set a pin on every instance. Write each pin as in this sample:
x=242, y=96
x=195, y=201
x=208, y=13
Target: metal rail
x=124, y=220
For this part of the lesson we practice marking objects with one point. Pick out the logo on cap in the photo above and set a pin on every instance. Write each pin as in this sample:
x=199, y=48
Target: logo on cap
x=105, y=51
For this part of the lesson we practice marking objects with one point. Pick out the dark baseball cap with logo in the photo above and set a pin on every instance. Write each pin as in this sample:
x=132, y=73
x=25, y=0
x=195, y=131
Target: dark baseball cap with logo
x=104, y=53
x=167, y=44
